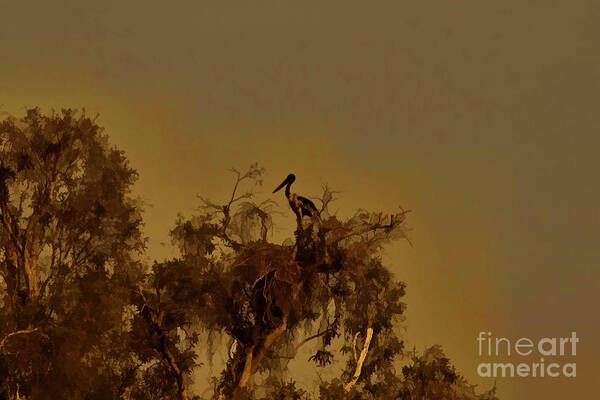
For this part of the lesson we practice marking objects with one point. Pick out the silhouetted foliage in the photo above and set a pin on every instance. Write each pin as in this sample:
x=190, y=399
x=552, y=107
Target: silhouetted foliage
x=431, y=376
x=329, y=282
x=68, y=235
x=82, y=318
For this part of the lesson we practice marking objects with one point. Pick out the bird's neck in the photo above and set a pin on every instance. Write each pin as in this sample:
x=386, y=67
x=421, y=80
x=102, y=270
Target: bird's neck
x=287, y=189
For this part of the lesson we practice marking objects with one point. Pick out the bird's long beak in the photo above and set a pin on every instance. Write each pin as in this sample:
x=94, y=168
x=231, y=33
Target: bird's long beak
x=282, y=185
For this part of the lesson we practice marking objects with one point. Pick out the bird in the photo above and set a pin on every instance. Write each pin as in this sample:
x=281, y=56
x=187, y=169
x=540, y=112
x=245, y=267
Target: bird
x=300, y=205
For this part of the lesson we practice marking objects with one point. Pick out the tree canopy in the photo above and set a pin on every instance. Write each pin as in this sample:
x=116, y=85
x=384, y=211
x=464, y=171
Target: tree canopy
x=68, y=239
x=83, y=318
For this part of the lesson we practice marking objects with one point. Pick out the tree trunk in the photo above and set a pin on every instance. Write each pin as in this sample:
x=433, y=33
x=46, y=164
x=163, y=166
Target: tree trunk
x=254, y=354
x=181, y=389
x=11, y=275
x=31, y=278
x=170, y=361
x=247, y=371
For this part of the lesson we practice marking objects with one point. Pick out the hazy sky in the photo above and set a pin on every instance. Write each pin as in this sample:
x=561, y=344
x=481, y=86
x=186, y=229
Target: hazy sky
x=481, y=117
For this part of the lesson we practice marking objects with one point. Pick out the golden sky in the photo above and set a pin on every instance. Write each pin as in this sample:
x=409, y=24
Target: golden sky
x=481, y=117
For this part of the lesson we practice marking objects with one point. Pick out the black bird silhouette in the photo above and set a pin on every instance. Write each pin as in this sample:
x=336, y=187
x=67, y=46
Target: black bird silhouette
x=300, y=205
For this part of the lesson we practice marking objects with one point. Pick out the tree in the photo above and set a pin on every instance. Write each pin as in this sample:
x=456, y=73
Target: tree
x=69, y=232
x=81, y=317
x=431, y=376
x=327, y=283
x=163, y=334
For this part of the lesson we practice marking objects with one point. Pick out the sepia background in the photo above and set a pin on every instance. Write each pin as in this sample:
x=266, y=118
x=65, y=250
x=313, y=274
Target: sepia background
x=481, y=117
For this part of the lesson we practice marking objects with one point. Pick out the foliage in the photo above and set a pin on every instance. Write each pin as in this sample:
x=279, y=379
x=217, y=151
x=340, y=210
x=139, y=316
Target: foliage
x=82, y=318
x=431, y=376
x=68, y=235
x=327, y=283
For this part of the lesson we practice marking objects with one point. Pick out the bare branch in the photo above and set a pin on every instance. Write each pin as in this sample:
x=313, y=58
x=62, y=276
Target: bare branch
x=253, y=173
x=395, y=221
x=354, y=345
x=361, y=359
x=308, y=339
x=326, y=197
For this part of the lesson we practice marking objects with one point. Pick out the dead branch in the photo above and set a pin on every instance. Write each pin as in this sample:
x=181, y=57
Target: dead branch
x=326, y=198
x=354, y=345
x=308, y=339
x=395, y=221
x=253, y=173
x=361, y=359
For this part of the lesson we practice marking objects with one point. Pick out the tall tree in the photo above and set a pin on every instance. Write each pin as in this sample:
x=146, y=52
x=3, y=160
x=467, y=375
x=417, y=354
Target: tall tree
x=326, y=285
x=69, y=232
x=272, y=299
